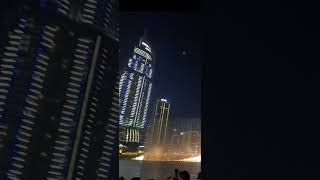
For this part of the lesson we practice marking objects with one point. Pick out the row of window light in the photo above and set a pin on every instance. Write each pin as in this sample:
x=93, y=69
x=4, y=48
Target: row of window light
x=9, y=63
x=71, y=109
x=135, y=101
x=138, y=120
x=88, y=13
x=61, y=6
x=85, y=144
x=109, y=138
x=22, y=141
x=89, y=123
x=147, y=104
x=132, y=135
x=127, y=92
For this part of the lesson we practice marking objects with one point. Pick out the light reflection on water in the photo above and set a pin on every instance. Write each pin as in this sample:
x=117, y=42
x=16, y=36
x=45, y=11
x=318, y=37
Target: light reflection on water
x=158, y=170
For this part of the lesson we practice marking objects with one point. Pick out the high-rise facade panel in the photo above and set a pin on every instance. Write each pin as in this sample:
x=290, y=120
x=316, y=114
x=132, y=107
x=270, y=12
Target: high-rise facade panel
x=158, y=126
x=56, y=58
x=135, y=90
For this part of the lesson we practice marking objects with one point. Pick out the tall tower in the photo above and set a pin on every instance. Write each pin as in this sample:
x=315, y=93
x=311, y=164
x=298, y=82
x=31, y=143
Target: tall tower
x=157, y=127
x=58, y=89
x=135, y=89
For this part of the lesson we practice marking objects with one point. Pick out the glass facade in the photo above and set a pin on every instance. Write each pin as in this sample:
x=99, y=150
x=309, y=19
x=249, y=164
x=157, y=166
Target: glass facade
x=59, y=98
x=135, y=90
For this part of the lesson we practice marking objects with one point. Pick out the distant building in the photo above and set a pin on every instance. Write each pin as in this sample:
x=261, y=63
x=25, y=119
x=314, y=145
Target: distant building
x=135, y=90
x=157, y=128
x=176, y=139
x=190, y=138
x=184, y=124
x=187, y=140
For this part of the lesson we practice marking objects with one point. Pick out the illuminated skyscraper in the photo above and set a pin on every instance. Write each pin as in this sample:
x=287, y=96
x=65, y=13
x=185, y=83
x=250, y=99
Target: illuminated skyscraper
x=59, y=90
x=157, y=127
x=135, y=89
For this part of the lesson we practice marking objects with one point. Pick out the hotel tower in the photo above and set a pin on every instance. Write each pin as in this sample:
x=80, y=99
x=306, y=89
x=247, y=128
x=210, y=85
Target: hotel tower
x=135, y=90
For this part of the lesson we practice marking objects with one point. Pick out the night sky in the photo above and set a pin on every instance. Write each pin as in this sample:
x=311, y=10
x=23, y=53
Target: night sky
x=261, y=92
x=175, y=38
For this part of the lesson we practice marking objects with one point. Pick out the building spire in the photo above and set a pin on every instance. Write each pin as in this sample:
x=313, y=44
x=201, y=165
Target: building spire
x=144, y=36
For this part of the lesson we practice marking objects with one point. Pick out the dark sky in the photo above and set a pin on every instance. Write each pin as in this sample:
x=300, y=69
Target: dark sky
x=261, y=92
x=177, y=77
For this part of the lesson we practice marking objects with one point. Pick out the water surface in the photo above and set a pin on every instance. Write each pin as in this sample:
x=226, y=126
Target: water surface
x=158, y=170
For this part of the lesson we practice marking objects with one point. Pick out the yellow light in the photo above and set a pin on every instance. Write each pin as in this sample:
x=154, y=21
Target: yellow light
x=193, y=159
x=139, y=158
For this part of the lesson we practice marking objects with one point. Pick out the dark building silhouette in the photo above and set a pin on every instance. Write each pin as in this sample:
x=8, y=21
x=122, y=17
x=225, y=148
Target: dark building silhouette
x=58, y=89
x=158, y=125
x=183, y=124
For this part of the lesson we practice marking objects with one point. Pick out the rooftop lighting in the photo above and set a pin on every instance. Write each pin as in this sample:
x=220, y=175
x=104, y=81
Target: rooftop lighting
x=164, y=100
x=143, y=43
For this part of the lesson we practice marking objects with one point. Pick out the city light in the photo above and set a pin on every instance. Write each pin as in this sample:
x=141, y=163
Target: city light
x=193, y=159
x=134, y=95
x=139, y=158
x=145, y=44
x=169, y=133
